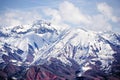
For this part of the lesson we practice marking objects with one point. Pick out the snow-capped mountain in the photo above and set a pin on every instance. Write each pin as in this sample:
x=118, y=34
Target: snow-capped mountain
x=70, y=51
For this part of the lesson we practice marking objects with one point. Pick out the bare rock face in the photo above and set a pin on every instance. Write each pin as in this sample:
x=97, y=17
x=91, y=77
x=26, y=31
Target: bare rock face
x=38, y=73
x=11, y=69
x=3, y=75
x=8, y=71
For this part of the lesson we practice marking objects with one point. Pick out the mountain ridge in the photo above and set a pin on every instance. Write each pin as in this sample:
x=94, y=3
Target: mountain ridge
x=42, y=44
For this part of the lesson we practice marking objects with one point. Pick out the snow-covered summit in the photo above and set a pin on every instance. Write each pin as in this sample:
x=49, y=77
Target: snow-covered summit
x=38, y=43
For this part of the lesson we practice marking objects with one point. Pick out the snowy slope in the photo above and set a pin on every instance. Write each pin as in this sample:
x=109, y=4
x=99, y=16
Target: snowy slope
x=38, y=43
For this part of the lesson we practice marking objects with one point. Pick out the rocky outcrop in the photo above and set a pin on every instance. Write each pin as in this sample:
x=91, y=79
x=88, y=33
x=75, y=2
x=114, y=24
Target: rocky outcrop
x=39, y=73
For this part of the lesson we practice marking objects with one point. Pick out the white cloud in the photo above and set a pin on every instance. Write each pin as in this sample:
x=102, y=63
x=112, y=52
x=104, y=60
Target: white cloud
x=56, y=18
x=68, y=12
x=106, y=10
x=99, y=23
x=65, y=12
x=71, y=13
x=17, y=17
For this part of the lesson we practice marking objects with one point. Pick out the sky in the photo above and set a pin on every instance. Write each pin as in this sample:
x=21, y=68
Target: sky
x=96, y=15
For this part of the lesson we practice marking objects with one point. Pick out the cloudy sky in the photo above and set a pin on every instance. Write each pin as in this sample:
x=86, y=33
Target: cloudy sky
x=97, y=15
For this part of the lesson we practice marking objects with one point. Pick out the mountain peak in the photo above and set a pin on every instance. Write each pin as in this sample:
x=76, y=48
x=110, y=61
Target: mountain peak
x=43, y=44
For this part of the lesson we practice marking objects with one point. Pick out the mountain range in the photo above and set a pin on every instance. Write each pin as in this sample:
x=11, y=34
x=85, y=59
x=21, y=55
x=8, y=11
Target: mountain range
x=42, y=51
